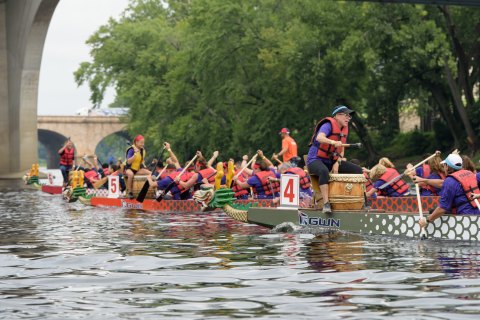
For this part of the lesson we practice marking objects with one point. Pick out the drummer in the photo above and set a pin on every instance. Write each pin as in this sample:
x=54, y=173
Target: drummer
x=326, y=153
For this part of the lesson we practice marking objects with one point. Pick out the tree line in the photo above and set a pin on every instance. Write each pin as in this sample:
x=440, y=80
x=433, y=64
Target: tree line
x=227, y=75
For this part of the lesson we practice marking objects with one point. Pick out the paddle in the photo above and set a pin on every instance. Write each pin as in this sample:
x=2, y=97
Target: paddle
x=241, y=170
x=143, y=192
x=423, y=232
x=352, y=145
x=170, y=186
x=408, y=170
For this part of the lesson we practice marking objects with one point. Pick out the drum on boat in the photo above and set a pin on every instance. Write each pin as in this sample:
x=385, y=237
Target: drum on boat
x=138, y=182
x=346, y=191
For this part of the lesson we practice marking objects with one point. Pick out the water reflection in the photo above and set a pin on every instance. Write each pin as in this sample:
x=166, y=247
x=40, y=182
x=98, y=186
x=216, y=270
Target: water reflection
x=62, y=261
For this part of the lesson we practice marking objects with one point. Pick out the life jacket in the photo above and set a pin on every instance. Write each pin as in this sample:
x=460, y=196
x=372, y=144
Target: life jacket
x=137, y=161
x=399, y=186
x=208, y=173
x=304, y=179
x=468, y=181
x=91, y=175
x=432, y=189
x=67, y=157
x=267, y=186
x=239, y=192
x=368, y=184
x=325, y=150
x=184, y=178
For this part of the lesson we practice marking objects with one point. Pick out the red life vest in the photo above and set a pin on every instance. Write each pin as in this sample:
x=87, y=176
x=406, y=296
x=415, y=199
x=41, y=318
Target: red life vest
x=239, y=192
x=184, y=178
x=368, y=184
x=468, y=181
x=399, y=186
x=266, y=186
x=325, y=150
x=208, y=173
x=67, y=157
x=304, y=179
x=92, y=176
x=432, y=188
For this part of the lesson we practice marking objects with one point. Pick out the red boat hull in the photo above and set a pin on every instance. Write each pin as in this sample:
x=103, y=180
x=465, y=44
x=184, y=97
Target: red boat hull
x=52, y=189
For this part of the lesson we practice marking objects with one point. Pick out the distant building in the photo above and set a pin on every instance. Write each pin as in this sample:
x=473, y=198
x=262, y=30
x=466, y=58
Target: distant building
x=90, y=111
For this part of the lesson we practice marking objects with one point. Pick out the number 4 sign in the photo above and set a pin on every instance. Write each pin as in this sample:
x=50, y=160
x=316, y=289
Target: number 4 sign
x=113, y=186
x=289, y=190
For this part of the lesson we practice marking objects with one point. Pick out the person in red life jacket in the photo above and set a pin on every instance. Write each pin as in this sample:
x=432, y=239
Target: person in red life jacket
x=304, y=179
x=263, y=173
x=326, y=152
x=457, y=190
x=240, y=193
x=205, y=173
x=67, y=159
x=381, y=174
x=289, y=146
x=431, y=181
x=135, y=165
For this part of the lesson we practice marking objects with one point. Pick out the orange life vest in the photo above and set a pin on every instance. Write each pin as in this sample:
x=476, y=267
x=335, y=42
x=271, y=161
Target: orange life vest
x=468, y=181
x=325, y=150
x=432, y=189
x=208, y=173
x=399, y=186
x=304, y=179
x=426, y=170
x=267, y=186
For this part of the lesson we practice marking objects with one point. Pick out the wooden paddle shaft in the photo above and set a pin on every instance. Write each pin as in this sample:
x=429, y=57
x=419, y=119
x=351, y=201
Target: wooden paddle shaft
x=421, y=162
x=188, y=165
x=248, y=163
x=420, y=210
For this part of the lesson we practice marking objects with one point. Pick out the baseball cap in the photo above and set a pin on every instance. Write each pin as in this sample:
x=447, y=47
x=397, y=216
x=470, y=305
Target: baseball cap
x=341, y=109
x=454, y=161
x=284, y=130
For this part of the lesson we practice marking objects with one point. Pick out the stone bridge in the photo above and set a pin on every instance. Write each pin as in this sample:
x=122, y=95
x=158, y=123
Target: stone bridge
x=86, y=132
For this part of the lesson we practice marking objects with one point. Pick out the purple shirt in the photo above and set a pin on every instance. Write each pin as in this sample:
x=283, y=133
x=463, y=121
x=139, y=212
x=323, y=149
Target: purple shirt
x=427, y=192
x=255, y=183
x=326, y=128
x=388, y=190
x=453, y=196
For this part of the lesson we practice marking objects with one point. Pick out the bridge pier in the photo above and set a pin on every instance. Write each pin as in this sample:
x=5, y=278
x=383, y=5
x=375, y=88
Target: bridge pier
x=24, y=25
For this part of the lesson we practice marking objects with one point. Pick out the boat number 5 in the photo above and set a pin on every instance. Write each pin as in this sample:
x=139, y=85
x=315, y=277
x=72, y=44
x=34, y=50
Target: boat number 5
x=289, y=190
x=113, y=186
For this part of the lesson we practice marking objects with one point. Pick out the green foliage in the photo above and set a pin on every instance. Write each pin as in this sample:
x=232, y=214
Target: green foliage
x=227, y=75
x=411, y=143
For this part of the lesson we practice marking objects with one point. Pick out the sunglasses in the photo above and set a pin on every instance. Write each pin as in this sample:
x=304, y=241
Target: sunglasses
x=345, y=114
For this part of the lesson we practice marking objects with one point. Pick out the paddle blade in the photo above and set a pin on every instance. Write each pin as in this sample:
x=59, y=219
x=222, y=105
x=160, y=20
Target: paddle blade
x=143, y=193
x=100, y=183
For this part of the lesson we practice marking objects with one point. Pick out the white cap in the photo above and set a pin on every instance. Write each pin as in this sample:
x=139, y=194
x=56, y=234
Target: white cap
x=454, y=161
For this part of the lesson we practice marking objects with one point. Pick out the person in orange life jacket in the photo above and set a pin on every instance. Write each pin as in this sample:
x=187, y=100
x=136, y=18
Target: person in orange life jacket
x=326, y=152
x=457, y=189
x=240, y=193
x=205, y=173
x=67, y=159
x=262, y=186
x=381, y=174
x=135, y=165
x=289, y=146
x=432, y=177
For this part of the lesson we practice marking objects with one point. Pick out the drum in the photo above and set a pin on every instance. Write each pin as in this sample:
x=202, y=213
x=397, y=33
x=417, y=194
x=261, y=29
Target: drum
x=346, y=191
x=138, y=182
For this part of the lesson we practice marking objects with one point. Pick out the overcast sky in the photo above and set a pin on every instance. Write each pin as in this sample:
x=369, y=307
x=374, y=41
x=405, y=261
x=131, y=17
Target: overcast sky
x=72, y=24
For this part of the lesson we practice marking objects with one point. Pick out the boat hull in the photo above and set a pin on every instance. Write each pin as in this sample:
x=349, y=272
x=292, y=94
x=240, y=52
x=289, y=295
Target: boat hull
x=453, y=227
x=52, y=189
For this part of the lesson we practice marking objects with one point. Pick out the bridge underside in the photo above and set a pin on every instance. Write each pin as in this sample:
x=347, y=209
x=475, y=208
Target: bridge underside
x=23, y=28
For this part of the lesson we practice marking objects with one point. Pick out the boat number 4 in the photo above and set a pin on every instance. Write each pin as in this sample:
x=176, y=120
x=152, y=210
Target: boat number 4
x=289, y=190
x=113, y=186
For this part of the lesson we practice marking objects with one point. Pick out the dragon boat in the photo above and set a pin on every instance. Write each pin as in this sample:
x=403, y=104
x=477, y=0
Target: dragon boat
x=386, y=216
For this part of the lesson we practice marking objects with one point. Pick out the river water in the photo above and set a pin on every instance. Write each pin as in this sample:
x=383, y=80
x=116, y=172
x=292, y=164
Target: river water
x=68, y=261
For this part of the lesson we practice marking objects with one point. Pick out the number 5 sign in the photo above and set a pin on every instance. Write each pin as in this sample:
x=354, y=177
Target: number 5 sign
x=289, y=190
x=113, y=186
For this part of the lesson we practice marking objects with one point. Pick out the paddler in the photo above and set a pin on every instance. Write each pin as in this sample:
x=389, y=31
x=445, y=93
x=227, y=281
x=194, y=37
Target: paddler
x=260, y=182
x=135, y=165
x=326, y=152
x=381, y=174
x=204, y=170
x=459, y=187
x=67, y=159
